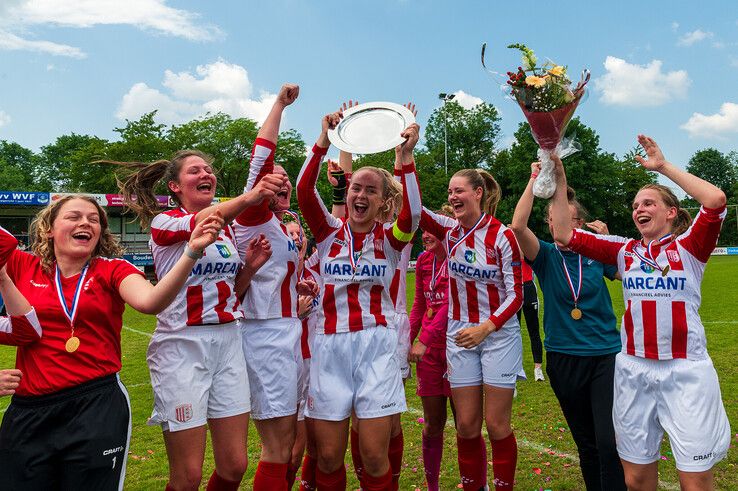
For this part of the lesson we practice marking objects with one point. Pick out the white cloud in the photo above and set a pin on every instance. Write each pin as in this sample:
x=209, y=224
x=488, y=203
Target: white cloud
x=216, y=87
x=4, y=118
x=11, y=42
x=627, y=84
x=467, y=101
x=693, y=37
x=674, y=26
x=715, y=125
x=152, y=15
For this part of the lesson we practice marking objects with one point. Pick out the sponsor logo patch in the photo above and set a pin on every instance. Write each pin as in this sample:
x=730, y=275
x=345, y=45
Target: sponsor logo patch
x=183, y=413
x=470, y=256
x=673, y=256
x=646, y=268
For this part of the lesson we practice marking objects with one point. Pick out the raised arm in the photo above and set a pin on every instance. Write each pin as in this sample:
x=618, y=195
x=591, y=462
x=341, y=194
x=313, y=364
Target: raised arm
x=408, y=219
x=708, y=195
x=436, y=224
x=137, y=292
x=526, y=238
x=561, y=219
x=320, y=221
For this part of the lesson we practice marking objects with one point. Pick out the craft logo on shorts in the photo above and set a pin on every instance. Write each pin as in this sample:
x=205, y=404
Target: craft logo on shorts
x=673, y=256
x=646, y=268
x=183, y=413
x=311, y=404
x=223, y=250
x=470, y=256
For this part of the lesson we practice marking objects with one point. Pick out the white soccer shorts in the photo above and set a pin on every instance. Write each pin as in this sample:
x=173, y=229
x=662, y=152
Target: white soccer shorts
x=496, y=361
x=198, y=373
x=681, y=397
x=403, y=343
x=274, y=361
x=355, y=370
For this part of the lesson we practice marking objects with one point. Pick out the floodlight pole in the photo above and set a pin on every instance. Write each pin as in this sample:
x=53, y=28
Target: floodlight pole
x=445, y=98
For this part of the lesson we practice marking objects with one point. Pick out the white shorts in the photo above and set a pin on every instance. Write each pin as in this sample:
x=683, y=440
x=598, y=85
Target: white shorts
x=302, y=388
x=681, y=397
x=355, y=370
x=403, y=343
x=496, y=361
x=274, y=361
x=197, y=374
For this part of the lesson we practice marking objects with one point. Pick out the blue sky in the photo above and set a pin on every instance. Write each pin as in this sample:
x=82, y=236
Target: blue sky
x=668, y=69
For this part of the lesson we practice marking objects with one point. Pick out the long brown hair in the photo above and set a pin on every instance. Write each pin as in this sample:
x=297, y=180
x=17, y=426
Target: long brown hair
x=139, y=179
x=480, y=178
x=43, y=245
x=683, y=219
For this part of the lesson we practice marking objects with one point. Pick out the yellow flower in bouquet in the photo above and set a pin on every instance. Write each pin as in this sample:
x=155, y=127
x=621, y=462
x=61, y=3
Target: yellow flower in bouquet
x=557, y=71
x=535, y=81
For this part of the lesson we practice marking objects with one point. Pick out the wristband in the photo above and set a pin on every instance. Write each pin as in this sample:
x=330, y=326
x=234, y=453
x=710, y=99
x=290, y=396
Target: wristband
x=534, y=175
x=339, y=190
x=193, y=254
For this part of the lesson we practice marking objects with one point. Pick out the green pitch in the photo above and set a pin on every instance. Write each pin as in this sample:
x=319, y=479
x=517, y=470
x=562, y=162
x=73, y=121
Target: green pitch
x=547, y=457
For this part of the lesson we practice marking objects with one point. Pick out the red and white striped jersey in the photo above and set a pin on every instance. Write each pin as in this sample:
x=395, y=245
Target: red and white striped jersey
x=273, y=290
x=208, y=296
x=398, y=290
x=485, y=274
x=661, y=289
x=357, y=268
x=311, y=271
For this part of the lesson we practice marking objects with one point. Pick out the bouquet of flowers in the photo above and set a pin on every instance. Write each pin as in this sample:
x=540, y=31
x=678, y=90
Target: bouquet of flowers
x=548, y=102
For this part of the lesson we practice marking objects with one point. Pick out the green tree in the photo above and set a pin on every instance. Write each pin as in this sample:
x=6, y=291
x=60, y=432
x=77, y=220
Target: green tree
x=56, y=160
x=17, y=167
x=473, y=135
x=716, y=168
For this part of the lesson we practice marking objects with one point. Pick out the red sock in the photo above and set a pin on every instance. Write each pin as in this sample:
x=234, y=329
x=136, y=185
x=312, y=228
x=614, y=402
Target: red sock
x=472, y=462
x=291, y=474
x=270, y=477
x=396, y=446
x=335, y=481
x=504, y=460
x=379, y=483
x=356, y=455
x=217, y=483
x=432, y=456
x=307, y=479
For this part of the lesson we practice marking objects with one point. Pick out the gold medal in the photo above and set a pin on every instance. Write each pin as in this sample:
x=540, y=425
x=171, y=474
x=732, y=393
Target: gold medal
x=665, y=271
x=576, y=314
x=430, y=312
x=72, y=344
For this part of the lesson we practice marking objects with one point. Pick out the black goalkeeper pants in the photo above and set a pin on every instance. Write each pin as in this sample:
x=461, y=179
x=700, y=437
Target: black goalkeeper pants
x=76, y=438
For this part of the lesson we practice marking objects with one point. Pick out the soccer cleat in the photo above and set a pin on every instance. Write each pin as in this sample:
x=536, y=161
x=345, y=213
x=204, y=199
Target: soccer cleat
x=538, y=374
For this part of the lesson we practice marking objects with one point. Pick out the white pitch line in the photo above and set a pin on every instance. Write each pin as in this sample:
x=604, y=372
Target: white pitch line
x=542, y=448
x=147, y=334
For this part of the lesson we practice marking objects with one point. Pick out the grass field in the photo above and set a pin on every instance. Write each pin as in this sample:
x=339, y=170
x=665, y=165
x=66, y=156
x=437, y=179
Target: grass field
x=547, y=455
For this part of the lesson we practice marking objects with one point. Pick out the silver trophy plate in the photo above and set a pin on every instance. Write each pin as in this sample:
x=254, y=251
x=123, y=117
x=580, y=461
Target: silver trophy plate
x=371, y=127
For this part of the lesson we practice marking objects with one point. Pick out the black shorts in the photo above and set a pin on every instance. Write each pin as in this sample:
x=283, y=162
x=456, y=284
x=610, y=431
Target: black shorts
x=76, y=438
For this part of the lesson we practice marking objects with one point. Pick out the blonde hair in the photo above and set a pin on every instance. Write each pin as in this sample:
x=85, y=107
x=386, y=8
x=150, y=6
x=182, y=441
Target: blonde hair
x=683, y=219
x=43, y=244
x=480, y=178
x=391, y=193
x=140, y=179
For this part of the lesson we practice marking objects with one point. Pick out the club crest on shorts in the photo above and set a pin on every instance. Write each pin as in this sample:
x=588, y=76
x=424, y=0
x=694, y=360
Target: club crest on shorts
x=223, y=250
x=470, y=256
x=183, y=413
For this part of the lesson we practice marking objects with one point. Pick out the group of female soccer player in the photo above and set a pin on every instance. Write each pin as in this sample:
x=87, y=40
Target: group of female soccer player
x=314, y=345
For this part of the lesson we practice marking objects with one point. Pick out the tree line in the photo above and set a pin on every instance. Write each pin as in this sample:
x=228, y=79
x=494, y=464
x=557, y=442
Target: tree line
x=605, y=183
